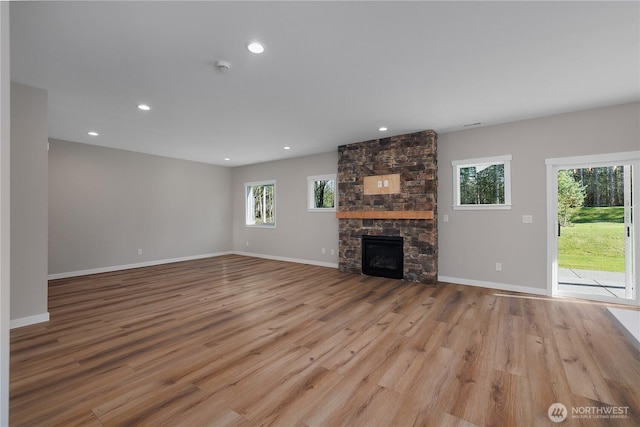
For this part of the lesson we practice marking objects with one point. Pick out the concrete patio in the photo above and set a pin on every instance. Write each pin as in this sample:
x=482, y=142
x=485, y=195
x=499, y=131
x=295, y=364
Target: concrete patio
x=602, y=283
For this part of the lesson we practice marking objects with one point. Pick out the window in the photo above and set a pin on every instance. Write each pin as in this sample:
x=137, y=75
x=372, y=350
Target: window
x=260, y=203
x=482, y=183
x=322, y=193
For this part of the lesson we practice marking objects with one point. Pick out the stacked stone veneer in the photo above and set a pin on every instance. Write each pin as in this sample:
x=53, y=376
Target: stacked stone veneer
x=413, y=156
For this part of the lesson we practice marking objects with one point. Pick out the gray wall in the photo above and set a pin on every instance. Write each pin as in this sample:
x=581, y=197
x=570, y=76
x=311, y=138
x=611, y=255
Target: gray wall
x=28, y=202
x=105, y=204
x=298, y=235
x=472, y=242
x=5, y=213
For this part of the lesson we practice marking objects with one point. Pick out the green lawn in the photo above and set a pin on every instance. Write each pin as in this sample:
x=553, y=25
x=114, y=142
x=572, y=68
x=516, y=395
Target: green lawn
x=614, y=214
x=592, y=246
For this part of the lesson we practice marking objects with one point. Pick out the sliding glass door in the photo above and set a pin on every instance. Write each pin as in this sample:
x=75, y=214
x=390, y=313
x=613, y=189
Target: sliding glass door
x=591, y=237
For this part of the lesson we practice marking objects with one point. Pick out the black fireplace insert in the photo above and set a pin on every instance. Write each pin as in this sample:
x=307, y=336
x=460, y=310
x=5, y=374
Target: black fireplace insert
x=383, y=256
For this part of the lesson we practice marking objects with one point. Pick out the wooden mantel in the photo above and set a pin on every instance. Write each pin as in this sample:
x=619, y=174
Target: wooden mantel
x=385, y=215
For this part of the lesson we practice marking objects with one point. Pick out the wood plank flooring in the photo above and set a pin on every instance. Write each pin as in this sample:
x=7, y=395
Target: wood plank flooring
x=239, y=341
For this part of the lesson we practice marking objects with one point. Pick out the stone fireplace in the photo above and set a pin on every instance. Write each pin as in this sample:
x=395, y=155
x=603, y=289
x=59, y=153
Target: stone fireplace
x=388, y=187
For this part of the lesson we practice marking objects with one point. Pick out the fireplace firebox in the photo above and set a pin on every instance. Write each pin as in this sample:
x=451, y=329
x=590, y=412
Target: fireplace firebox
x=383, y=256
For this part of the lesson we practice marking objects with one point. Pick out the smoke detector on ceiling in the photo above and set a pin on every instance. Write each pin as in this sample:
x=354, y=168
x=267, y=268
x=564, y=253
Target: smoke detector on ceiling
x=223, y=66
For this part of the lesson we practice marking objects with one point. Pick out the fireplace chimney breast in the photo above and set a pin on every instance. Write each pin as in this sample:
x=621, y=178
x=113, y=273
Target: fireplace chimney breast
x=409, y=213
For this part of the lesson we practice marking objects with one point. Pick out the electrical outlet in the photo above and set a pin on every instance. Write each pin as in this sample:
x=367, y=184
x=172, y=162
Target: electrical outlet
x=498, y=266
x=324, y=251
x=445, y=218
x=139, y=251
x=379, y=184
x=527, y=219
x=246, y=243
x=333, y=251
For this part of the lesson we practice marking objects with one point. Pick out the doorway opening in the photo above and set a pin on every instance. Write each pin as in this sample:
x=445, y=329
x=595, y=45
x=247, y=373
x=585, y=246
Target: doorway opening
x=591, y=238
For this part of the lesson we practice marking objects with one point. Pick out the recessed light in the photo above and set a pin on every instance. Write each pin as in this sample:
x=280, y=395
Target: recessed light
x=382, y=129
x=93, y=133
x=286, y=147
x=226, y=159
x=255, y=47
x=144, y=107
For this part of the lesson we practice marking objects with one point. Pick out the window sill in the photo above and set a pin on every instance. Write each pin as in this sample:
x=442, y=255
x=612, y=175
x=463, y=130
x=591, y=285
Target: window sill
x=481, y=207
x=260, y=225
x=321, y=209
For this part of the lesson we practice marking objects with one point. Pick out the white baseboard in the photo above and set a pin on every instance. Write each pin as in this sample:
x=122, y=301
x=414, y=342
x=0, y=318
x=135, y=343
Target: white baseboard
x=29, y=320
x=130, y=266
x=287, y=259
x=493, y=285
x=188, y=258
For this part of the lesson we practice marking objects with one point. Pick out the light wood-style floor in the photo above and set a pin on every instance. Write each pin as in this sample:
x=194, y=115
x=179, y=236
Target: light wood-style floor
x=239, y=341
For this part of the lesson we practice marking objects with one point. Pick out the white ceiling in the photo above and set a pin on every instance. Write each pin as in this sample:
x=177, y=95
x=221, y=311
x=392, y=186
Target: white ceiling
x=333, y=72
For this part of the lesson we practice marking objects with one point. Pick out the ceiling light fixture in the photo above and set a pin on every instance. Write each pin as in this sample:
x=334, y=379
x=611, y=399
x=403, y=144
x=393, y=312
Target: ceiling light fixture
x=382, y=129
x=226, y=159
x=93, y=133
x=286, y=147
x=144, y=107
x=255, y=47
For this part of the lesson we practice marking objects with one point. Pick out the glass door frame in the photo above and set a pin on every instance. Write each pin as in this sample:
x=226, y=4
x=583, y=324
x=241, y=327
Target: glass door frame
x=632, y=258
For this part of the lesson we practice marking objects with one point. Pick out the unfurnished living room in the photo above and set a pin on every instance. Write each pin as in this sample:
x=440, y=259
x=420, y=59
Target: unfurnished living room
x=319, y=213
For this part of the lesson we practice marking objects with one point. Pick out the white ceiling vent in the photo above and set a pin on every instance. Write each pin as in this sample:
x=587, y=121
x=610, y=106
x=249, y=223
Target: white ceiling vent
x=472, y=125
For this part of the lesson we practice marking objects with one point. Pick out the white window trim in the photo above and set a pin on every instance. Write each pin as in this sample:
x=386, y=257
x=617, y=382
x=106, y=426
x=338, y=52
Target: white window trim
x=247, y=218
x=310, y=194
x=458, y=164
